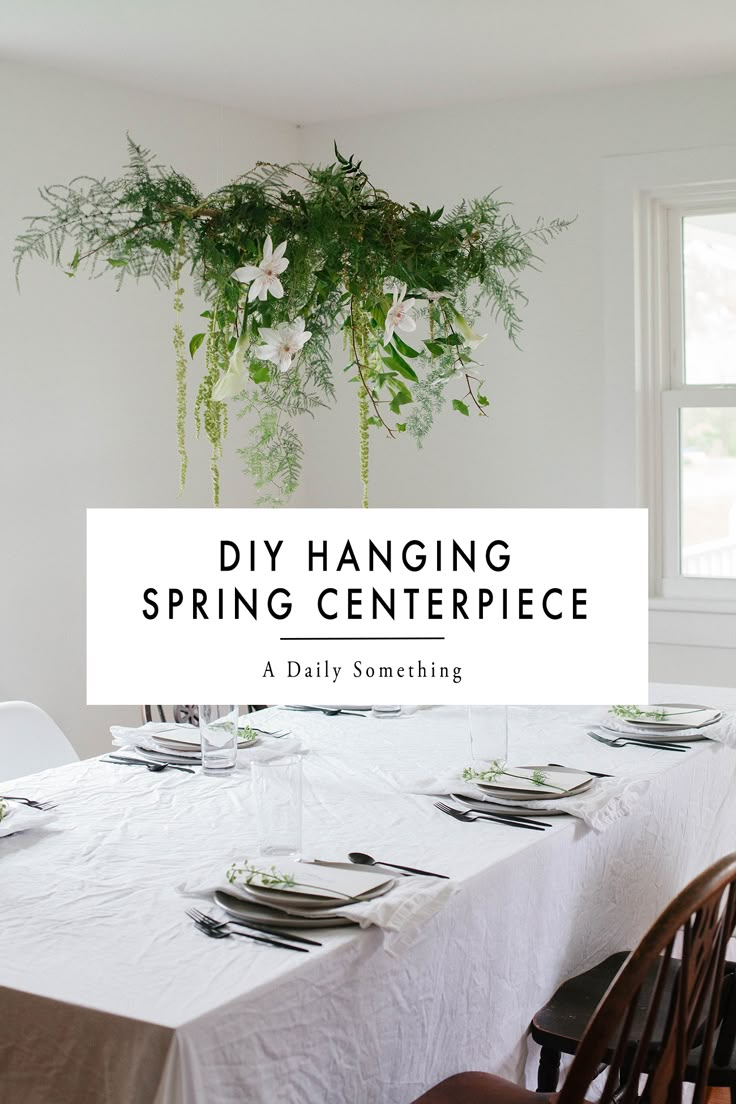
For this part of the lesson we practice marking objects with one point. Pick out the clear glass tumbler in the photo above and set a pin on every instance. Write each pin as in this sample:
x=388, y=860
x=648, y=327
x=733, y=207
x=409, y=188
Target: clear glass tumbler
x=489, y=732
x=277, y=789
x=218, y=735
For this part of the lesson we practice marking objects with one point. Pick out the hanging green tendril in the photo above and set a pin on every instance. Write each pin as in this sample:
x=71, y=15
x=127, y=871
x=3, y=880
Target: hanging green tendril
x=180, y=353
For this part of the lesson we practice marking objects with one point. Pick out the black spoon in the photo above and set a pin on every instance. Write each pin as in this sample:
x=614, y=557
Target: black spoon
x=153, y=767
x=360, y=859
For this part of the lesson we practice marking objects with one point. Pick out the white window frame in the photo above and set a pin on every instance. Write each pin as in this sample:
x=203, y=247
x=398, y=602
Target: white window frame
x=662, y=388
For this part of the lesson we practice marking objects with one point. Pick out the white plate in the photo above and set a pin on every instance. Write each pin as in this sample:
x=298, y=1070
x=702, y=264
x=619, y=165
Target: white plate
x=680, y=716
x=568, y=781
x=288, y=899
x=258, y=915
x=655, y=736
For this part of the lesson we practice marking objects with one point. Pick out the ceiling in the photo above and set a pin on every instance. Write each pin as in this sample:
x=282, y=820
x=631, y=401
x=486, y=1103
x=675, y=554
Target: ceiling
x=306, y=61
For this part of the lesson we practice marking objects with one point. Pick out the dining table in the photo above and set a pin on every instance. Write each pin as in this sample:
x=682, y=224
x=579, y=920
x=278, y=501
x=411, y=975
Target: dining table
x=109, y=993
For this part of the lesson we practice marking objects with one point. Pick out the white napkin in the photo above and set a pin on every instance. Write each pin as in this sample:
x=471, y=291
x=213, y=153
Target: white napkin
x=607, y=800
x=724, y=731
x=400, y=913
x=20, y=817
x=145, y=737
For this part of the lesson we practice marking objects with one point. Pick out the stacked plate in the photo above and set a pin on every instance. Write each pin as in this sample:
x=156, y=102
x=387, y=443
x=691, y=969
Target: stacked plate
x=322, y=900
x=677, y=718
x=180, y=744
x=523, y=788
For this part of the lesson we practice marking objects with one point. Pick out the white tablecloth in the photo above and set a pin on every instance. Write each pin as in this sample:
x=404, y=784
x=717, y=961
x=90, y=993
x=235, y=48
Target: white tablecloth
x=108, y=993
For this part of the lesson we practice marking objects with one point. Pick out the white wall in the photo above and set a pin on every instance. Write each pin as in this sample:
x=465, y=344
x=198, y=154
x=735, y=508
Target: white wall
x=545, y=443
x=86, y=383
x=87, y=376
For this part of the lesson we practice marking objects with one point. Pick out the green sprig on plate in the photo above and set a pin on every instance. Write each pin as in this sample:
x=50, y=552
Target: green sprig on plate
x=497, y=769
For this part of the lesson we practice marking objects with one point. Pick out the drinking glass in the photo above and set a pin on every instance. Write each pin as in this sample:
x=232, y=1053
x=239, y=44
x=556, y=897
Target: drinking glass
x=218, y=734
x=277, y=789
x=489, y=732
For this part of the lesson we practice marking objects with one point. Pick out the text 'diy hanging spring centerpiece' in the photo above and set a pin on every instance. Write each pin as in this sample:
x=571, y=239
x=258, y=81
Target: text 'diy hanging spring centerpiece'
x=286, y=257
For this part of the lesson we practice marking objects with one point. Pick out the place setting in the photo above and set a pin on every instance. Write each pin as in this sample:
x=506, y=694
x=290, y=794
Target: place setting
x=281, y=897
x=212, y=746
x=668, y=726
x=20, y=814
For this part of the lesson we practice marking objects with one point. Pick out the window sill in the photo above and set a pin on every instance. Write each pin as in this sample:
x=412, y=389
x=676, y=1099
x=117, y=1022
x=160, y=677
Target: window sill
x=692, y=605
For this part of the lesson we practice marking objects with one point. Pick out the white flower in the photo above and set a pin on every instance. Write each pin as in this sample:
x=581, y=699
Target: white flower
x=433, y=296
x=236, y=377
x=231, y=384
x=399, y=314
x=283, y=343
x=471, y=339
x=264, y=278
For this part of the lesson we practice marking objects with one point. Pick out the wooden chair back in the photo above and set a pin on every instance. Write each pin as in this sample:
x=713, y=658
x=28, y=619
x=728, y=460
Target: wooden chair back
x=685, y=1017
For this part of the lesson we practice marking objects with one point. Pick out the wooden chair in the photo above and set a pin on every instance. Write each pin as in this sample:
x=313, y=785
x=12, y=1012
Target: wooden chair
x=182, y=714
x=661, y=1022
x=559, y=1026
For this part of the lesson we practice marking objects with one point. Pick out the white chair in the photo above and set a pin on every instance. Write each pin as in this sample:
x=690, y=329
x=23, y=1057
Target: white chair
x=30, y=741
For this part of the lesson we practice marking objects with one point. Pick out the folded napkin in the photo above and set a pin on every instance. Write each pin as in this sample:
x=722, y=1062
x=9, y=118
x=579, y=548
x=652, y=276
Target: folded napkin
x=20, y=817
x=400, y=913
x=145, y=737
x=723, y=731
x=607, y=800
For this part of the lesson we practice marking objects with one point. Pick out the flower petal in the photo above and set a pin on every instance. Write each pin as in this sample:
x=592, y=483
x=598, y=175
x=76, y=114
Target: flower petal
x=275, y=287
x=267, y=352
x=280, y=266
x=279, y=251
x=267, y=248
x=407, y=324
x=245, y=274
x=255, y=289
x=269, y=336
x=232, y=383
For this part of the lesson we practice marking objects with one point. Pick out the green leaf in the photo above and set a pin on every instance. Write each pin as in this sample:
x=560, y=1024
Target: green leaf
x=401, y=427
x=393, y=360
x=117, y=262
x=435, y=348
x=457, y=404
x=402, y=346
x=259, y=371
x=401, y=397
x=194, y=343
x=482, y=400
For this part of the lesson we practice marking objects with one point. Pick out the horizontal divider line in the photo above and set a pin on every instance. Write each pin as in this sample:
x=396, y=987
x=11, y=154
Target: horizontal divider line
x=362, y=638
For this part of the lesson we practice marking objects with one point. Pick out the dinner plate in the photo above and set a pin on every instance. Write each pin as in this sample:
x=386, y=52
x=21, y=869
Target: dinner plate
x=193, y=748
x=186, y=759
x=260, y=915
x=288, y=899
x=570, y=781
x=677, y=723
x=656, y=736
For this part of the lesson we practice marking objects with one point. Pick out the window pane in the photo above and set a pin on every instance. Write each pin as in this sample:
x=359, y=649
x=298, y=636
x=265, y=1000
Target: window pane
x=709, y=250
x=708, y=491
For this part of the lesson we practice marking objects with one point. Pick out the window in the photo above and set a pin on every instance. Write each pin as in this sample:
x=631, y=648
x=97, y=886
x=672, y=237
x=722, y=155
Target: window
x=691, y=413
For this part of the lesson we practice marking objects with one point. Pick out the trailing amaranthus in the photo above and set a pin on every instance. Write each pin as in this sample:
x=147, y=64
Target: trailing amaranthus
x=285, y=257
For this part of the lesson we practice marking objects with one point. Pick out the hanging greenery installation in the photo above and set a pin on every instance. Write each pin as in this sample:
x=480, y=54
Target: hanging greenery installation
x=286, y=258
